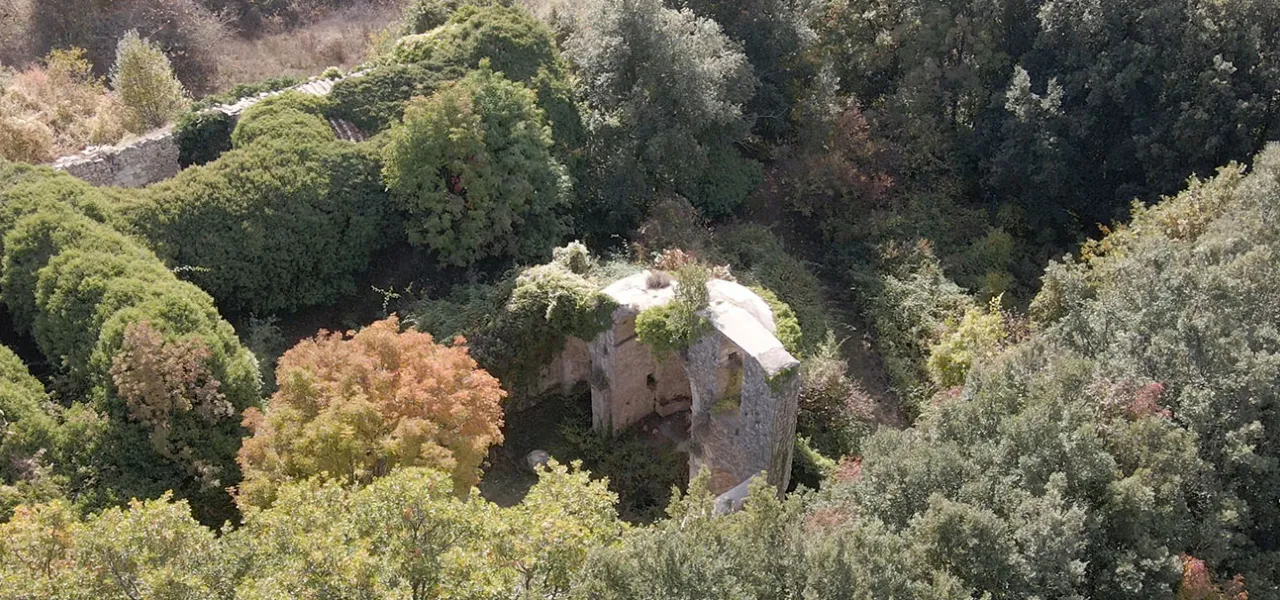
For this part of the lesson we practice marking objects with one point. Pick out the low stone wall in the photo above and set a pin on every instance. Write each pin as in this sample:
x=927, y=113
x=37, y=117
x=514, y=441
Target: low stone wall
x=142, y=161
x=134, y=164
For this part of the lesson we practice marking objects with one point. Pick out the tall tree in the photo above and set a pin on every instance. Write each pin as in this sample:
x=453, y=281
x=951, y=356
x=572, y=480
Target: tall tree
x=352, y=407
x=665, y=91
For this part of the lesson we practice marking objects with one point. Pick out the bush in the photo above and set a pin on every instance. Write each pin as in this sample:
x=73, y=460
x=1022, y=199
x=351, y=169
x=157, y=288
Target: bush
x=56, y=108
x=293, y=116
x=977, y=336
x=376, y=99
x=547, y=304
x=515, y=43
x=809, y=468
x=24, y=140
x=144, y=81
x=79, y=288
x=421, y=16
x=728, y=179
x=834, y=413
x=472, y=169
x=183, y=29
x=353, y=407
x=911, y=301
x=26, y=427
x=643, y=474
x=274, y=226
x=676, y=325
x=202, y=136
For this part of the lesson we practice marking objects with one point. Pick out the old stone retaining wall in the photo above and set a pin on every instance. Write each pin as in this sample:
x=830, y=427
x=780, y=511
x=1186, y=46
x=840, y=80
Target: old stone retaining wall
x=134, y=164
x=145, y=160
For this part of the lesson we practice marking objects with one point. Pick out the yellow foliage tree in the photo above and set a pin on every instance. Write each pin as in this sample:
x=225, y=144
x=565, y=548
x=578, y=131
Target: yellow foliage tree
x=352, y=407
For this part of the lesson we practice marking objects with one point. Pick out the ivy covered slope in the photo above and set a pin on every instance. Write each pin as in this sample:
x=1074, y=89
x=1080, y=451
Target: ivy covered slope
x=165, y=376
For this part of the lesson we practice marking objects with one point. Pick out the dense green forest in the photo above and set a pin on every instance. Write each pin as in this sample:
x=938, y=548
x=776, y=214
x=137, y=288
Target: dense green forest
x=1026, y=251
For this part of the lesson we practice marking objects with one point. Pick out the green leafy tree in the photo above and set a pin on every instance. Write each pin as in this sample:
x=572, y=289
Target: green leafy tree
x=665, y=91
x=515, y=43
x=151, y=549
x=472, y=168
x=144, y=80
x=778, y=39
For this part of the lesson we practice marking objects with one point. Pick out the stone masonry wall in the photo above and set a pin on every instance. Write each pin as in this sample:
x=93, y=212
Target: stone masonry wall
x=739, y=383
x=143, y=161
x=154, y=157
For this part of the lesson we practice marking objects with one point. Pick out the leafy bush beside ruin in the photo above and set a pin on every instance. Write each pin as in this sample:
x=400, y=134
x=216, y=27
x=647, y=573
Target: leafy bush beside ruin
x=514, y=42
x=472, y=170
x=274, y=226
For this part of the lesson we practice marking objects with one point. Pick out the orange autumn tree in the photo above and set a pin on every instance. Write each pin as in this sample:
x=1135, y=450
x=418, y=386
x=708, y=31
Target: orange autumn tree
x=353, y=407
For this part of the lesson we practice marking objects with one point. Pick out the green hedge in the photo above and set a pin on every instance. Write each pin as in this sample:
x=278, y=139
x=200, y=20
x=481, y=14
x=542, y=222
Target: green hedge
x=25, y=424
x=274, y=226
x=294, y=117
x=75, y=284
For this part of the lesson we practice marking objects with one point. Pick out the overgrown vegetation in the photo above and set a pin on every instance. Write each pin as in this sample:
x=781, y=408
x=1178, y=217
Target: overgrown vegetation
x=675, y=326
x=897, y=179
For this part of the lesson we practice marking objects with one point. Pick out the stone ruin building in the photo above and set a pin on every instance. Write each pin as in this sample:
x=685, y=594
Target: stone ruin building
x=738, y=385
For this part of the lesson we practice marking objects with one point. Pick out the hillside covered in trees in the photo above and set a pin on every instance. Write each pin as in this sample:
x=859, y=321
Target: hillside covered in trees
x=1026, y=252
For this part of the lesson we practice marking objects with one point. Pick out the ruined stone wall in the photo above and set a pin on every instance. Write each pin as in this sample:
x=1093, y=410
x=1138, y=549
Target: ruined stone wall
x=153, y=157
x=134, y=164
x=628, y=382
x=744, y=414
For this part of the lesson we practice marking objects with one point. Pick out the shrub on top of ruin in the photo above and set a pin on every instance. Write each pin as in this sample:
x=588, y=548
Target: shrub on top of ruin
x=677, y=325
x=787, y=327
x=144, y=81
x=472, y=169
